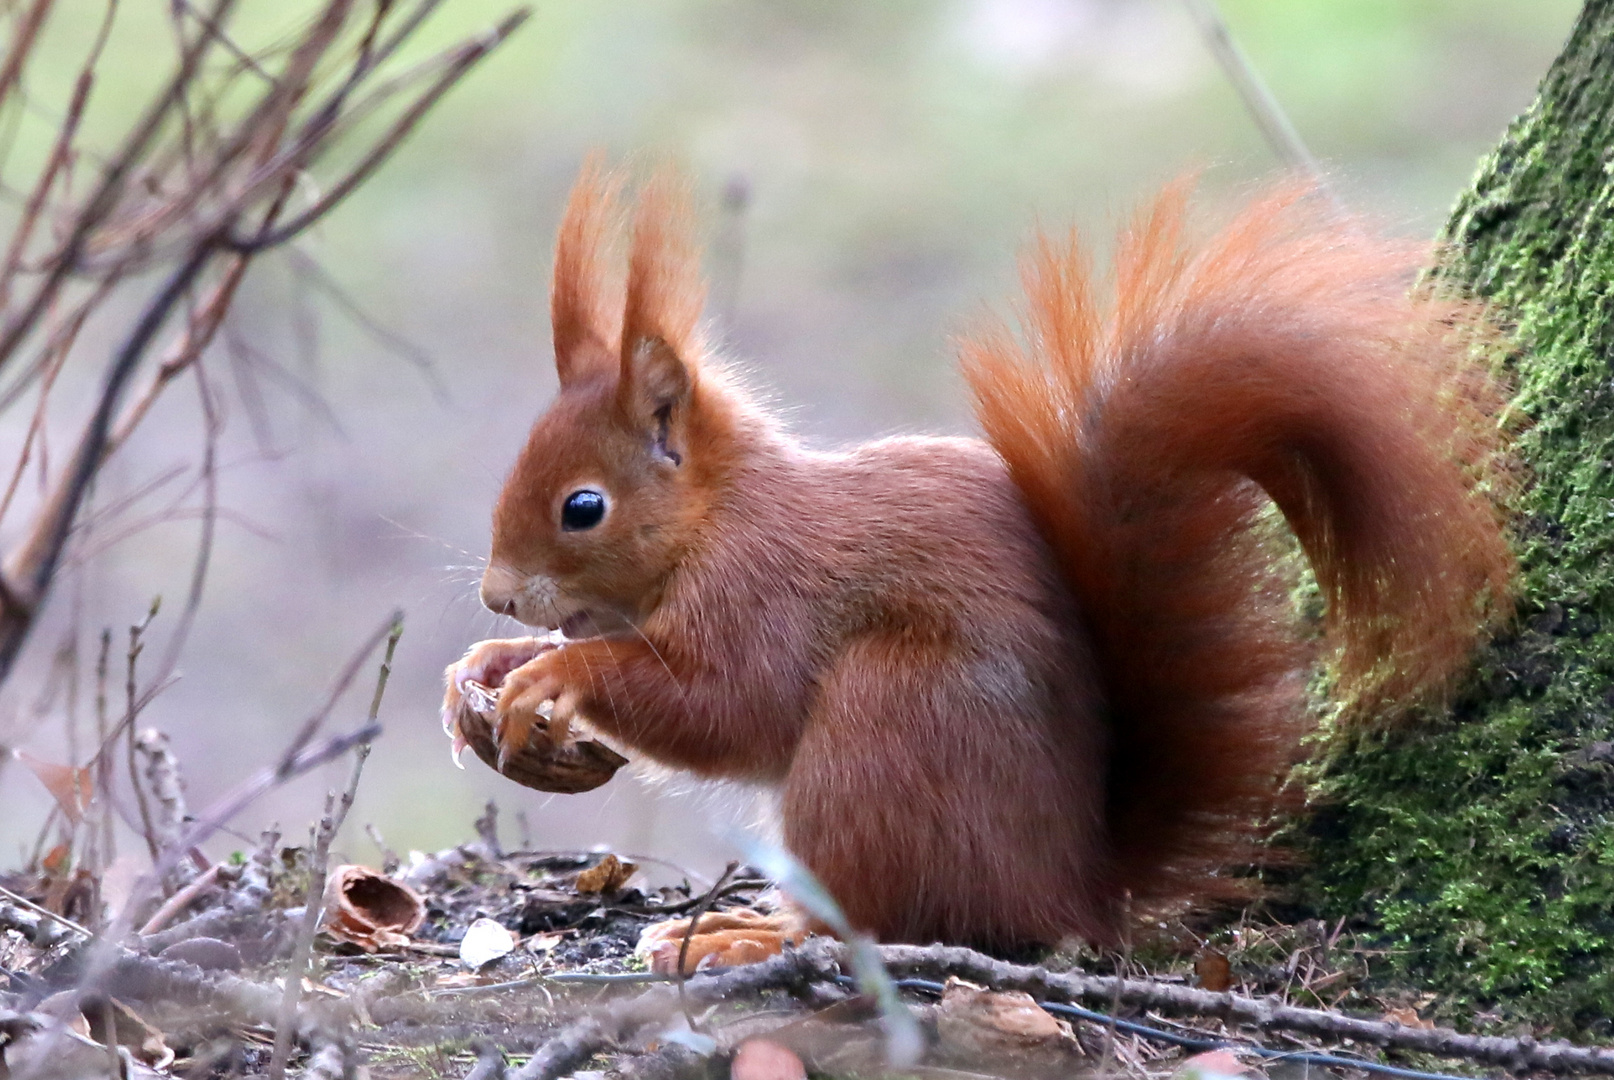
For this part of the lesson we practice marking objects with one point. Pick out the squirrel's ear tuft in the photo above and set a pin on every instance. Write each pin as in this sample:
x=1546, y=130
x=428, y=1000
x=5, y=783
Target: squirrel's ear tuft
x=580, y=300
x=661, y=341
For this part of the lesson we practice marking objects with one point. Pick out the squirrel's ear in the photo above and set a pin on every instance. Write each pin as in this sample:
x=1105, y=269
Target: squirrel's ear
x=655, y=379
x=661, y=339
x=580, y=300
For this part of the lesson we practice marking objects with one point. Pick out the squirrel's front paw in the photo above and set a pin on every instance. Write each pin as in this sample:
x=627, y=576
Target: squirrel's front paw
x=522, y=727
x=532, y=701
x=483, y=668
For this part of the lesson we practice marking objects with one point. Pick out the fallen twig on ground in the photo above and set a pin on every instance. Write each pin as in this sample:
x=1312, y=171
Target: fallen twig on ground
x=1517, y=1054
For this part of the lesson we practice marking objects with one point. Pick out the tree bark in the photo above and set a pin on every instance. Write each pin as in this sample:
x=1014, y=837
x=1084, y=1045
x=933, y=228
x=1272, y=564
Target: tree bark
x=1481, y=844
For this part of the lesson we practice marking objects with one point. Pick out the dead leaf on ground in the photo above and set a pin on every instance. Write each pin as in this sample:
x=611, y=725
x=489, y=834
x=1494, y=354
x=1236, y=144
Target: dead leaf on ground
x=1407, y=1016
x=87, y=1012
x=370, y=910
x=1213, y=971
x=606, y=876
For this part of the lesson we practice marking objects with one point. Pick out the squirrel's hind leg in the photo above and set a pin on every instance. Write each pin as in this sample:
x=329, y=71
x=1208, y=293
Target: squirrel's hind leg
x=942, y=793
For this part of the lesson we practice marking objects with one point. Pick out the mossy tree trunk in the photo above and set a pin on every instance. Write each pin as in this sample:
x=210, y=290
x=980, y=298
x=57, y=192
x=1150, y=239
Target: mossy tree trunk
x=1481, y=846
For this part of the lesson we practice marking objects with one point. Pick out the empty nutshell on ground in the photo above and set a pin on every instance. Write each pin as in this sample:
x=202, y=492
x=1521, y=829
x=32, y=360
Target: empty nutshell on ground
x=566, y=764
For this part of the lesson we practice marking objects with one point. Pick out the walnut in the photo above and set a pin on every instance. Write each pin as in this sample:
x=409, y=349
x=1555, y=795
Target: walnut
x=554, y=758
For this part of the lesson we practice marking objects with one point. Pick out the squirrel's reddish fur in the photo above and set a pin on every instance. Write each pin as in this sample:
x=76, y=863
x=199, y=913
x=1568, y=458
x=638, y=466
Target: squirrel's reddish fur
x=1003, y=686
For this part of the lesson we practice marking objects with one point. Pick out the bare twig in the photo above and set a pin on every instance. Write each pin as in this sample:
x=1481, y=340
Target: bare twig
x=21, y=44
x=45, y=912
x=210, y=162
x=464, y=58
x=60, y=153
x=176, y=903
x=30, y=569
x=131, y=712
x=106, y=194
x=1263, y=106
x=313, y=907
x=1522, y=1054
x=344, y=679
x=701, y=907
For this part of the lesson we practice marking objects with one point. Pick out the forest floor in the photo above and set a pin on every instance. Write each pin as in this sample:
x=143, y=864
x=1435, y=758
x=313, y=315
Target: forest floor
x=476, y=962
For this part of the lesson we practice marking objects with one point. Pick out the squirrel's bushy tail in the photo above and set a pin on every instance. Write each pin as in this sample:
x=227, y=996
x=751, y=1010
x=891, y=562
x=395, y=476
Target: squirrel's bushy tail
x=1289, y=355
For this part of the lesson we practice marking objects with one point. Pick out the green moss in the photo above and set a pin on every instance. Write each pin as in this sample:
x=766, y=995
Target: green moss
x=1480, y=846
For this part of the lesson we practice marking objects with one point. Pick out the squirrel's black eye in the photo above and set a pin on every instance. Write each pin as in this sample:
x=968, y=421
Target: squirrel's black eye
x=582, y=510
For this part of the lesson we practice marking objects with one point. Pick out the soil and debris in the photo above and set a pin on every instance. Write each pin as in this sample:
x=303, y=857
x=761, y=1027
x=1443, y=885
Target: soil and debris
x=475, y=962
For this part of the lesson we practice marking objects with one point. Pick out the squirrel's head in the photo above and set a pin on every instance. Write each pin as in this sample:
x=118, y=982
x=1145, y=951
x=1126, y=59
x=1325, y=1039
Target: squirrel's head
x=614, y=482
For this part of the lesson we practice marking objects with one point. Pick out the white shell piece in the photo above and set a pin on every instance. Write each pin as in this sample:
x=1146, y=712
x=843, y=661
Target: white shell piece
x=484, y=942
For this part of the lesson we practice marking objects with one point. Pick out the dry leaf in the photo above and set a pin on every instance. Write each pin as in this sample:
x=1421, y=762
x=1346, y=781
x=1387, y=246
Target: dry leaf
x=606, y=876
x=1408, y=1017
x=85, y=1013
x=57, y=860
x=1213, y=971
x=761, y=1059
x=71, y=788
x=369, y=909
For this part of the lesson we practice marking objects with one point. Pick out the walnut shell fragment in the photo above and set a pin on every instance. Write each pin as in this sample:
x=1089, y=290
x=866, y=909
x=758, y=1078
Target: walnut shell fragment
x=369, y=909
x=554, y=759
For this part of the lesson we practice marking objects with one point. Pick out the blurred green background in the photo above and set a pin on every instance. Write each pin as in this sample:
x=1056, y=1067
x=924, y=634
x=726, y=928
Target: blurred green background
x=896, y=155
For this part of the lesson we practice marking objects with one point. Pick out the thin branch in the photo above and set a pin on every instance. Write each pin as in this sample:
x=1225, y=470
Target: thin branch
x=362, y=754
x=461, y=61
x=60, y=155
x=1523, y=1054
x=131, y=689
x=313, y=907
x=21, y=45
x=212, y=426
x=102, y=202
x=344, y=679
x=1262, y=104
x=255, y=140
x=31, y=568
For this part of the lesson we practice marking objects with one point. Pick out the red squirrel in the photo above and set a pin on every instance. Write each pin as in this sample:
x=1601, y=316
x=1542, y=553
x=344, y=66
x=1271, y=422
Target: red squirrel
x=1007, y=688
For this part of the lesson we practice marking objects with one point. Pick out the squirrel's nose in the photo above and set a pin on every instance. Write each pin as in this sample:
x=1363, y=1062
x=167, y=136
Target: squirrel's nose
x=499, y=588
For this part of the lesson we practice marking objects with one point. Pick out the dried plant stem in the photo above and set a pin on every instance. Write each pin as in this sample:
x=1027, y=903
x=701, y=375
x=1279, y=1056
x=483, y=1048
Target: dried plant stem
x=1258, y=98
x=286, y=1018
x=701, y=908
x=336, y=809
x=21, y=45
x=131, y=712
x=176, y=903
